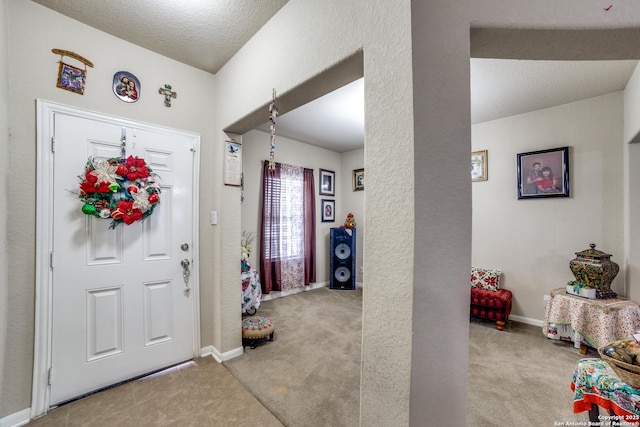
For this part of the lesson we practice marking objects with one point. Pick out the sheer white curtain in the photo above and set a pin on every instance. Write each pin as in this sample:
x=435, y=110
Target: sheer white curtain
x=292, y=227
x=288, y=228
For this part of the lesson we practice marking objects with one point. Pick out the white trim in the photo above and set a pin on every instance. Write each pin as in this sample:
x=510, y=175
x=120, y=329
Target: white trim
x=527, y=320
x=16, y=419
x=222, y=357
x=280, y=294
x=44, y=240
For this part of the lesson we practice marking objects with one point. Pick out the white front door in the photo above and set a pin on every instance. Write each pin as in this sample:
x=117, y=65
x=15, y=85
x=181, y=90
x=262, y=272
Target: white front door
x=120, y=304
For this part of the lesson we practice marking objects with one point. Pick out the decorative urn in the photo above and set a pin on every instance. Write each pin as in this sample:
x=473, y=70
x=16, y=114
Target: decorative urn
x=594, y=269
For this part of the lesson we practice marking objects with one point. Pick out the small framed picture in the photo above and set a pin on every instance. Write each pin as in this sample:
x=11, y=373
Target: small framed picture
x=328, y=210
x=479, y=165
x=71, y=78
x=327, y=182
x=543, y=173
x=233, y=163
x=358, y=179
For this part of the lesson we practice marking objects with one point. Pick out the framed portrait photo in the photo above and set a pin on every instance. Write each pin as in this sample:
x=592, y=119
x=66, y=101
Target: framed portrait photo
x=328, y=210
x=358, y=179
x=479, y=165
x=327, y=183
x=543, y=173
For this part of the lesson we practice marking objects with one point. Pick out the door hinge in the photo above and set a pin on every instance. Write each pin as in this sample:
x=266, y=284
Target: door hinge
x=53, y=144
x=49, y=376
x=52, y=260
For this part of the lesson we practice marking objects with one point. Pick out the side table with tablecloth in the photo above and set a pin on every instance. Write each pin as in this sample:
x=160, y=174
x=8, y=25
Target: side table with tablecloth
x=592, y=322
x=251, y=290
x=595, y=384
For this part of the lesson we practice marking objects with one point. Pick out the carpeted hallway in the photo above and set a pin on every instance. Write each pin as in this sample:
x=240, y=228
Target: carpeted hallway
x=309, y=376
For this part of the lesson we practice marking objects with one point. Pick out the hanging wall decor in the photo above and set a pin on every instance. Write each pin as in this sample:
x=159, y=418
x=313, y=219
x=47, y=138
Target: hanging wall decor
x=126, y=86
x=273, y=114
x=168, y=94
x=72, y=78
x=233, y=163
x=123, y=189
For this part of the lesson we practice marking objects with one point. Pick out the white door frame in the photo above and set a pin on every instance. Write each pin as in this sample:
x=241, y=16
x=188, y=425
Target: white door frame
x=44, y=241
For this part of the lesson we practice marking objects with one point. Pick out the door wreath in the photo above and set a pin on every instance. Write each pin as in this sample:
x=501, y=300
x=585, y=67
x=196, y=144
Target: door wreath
x=123, y=190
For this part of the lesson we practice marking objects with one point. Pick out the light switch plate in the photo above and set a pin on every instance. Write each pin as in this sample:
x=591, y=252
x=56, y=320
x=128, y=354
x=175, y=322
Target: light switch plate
x=214, y=217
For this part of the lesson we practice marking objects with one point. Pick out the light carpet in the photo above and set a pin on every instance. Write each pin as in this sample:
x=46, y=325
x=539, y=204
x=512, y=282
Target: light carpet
x=309, y=376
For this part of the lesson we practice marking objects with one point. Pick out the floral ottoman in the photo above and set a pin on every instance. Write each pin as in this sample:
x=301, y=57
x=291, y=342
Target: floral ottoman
x=255, y=328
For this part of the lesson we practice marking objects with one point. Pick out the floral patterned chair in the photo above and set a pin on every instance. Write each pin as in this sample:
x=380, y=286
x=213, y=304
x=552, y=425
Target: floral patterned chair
x=488, y=301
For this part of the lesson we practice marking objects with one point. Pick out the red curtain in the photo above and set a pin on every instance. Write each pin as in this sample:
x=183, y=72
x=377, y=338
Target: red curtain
x=274, y=201
x=309, y=227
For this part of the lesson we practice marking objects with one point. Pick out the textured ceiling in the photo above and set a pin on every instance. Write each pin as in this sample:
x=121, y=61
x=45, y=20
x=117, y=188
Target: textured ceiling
x=506, y=87
x=201, y=33
x=206, y=34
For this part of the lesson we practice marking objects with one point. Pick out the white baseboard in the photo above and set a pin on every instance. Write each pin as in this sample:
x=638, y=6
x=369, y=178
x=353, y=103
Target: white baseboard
x=527, y=320
x=279, y=294
x=19, y=418
x=221, y=357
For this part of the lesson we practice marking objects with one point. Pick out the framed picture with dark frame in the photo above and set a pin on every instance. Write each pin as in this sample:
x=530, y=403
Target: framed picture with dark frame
x=479, y=165
x=328, y=210
x=543, y=173
x=358, y=179
x=327, y=183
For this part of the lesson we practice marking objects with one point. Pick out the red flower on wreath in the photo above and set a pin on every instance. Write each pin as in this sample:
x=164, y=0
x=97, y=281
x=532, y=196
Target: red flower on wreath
x=129, y=213
x=91, y=185
x=134, y=168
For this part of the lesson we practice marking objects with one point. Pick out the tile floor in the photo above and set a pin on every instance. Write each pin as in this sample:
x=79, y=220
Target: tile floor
x=198, y=393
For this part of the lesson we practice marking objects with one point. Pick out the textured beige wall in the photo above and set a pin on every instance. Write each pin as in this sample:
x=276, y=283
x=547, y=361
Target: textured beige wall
x=441, y=50
x=550, y=231
x=33, y=32
x=353, y=201
x=4, y=166
x=300, y=42
x=631, y=155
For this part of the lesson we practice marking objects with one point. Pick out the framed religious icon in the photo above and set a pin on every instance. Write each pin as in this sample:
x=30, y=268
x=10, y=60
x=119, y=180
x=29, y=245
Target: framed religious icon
x=479, y=165
x=327, y=183
x=71, y=78
x=543, y=173
x=358, y=179
x=126, y=86
x=328, y=210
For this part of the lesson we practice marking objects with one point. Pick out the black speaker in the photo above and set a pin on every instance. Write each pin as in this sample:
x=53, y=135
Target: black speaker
x=343, y=258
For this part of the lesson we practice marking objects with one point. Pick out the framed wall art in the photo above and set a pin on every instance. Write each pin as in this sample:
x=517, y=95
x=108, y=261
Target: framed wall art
x=328, y=210
x=126, y=86
x=543, y=173
x=327, y=183
x=358, y=179
x=479, y=165
x=71, y=78
x=233, y=163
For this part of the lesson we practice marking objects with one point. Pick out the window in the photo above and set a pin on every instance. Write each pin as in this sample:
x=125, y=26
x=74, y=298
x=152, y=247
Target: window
x=287, y=241
x=284, y=227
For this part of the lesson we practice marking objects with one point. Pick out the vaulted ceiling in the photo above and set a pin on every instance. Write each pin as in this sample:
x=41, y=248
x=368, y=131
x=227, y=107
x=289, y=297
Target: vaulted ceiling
x=206, y=34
